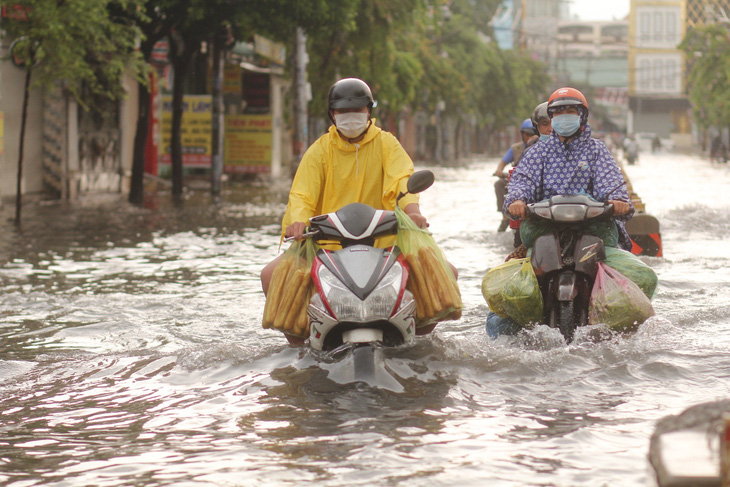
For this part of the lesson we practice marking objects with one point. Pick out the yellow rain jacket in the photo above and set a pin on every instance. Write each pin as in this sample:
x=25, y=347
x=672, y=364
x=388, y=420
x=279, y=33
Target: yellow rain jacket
x=334, y=173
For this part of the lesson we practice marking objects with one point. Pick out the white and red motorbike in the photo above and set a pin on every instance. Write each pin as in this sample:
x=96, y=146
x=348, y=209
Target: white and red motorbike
x=361, y=301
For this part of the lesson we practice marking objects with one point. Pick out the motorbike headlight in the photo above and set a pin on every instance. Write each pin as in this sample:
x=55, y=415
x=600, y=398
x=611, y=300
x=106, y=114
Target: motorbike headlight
x=569, y=213
x=346, y=306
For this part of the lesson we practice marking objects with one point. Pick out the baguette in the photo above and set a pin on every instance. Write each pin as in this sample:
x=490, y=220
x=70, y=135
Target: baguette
x=301, y=284
x=276, y=287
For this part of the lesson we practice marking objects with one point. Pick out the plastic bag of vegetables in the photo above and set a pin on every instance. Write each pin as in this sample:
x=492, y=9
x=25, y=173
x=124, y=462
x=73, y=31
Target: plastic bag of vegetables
x=617, y=301
x=512, y=291
x=632, y=267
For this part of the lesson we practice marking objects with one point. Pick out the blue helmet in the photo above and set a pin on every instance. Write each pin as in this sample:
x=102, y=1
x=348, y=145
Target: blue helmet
x=527, y=127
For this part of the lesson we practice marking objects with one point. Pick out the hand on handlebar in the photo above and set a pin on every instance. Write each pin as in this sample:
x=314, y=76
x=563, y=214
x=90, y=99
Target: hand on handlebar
x=517, y=209
x=620, y=207
x=296, y=230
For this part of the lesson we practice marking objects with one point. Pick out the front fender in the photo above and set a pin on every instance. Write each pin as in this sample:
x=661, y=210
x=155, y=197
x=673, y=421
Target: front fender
x=567, y=286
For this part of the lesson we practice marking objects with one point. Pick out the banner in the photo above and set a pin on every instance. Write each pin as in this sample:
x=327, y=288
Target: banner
x=195, y=130
x=247, y=144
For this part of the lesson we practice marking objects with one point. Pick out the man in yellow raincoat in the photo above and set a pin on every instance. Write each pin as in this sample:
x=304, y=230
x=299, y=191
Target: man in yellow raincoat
x=355, y=161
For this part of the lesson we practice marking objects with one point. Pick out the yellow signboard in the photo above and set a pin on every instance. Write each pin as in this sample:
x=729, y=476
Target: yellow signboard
x=195, y=130
x=232, y=79
x=247, y=144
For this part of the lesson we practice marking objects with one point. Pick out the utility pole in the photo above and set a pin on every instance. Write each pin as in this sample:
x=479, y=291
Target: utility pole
x=303, y=95
x=218, y=118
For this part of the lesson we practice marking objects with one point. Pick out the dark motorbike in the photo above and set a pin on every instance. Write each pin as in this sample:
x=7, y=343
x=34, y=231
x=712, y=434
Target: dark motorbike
x=565, y=260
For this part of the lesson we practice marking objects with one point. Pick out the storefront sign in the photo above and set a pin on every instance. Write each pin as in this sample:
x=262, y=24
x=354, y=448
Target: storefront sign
x=247, y=144
x=195, y=131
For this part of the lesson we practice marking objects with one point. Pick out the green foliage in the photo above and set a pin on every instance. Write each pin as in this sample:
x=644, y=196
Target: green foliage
x=708, y=48
x=89, y=45
x=422, y=54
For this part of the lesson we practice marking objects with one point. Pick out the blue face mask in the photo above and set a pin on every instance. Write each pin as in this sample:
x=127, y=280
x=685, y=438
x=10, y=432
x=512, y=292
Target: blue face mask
x=544, y=137
x=566, y=124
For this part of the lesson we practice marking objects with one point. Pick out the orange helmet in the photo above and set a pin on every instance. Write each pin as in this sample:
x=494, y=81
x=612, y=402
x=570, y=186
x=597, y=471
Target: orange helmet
x=569, y=97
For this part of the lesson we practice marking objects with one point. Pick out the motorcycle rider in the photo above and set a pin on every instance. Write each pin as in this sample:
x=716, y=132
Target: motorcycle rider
x=541, y=122
x=513, y=155
x=355, y=161
x=570, y=162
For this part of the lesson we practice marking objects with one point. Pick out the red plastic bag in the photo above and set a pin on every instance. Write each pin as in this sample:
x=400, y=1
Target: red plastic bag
x=617, y=301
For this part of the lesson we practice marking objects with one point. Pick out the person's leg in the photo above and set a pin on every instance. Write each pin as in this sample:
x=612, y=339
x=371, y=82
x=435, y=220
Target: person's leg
x=267, y=272
x=500, y=190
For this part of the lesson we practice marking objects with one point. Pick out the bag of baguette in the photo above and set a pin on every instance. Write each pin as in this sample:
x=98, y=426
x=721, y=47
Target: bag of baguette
x=430, y=278
x=290, y=289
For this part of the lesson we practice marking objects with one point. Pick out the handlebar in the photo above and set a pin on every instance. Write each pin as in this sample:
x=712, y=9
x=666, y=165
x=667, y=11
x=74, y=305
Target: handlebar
x=304, y=235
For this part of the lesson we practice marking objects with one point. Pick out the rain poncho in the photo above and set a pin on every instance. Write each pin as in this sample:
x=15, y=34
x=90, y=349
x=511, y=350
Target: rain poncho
x=585, y=164
x=334, y=173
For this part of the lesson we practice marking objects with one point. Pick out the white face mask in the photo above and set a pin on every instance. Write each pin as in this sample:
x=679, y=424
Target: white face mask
x=351, y=124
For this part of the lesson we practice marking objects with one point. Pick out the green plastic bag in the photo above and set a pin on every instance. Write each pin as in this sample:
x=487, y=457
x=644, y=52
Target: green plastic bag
x=522, y=296
x=632, y=267
x=512, y=291
x=495, y=281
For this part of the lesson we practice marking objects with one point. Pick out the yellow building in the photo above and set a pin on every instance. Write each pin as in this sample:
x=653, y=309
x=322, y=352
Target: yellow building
x=658, y=100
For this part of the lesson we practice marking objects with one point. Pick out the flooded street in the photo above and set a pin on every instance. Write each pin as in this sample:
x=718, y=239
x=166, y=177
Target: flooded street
x=132, y=352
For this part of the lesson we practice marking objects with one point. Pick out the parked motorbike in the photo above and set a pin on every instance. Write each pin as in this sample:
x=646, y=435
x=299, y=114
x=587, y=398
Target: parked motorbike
x=566, y=260
x=361, y=301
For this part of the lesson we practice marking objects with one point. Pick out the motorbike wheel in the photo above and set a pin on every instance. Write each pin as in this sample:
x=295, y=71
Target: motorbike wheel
x=566, y=316
x=363, y=362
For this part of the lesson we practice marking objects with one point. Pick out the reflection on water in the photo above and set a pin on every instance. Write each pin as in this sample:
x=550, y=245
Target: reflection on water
x=132, y=353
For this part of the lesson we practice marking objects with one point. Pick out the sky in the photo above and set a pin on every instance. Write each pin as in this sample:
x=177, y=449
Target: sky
x=600, y=9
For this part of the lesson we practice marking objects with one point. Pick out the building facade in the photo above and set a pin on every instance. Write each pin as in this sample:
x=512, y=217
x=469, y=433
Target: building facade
x=657, y=95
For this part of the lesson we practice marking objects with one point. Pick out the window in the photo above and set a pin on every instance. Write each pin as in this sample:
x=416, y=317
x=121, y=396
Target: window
x=658, y=27
x=671, y=19
x=645, y=27
x=671, y=74
x=645, y=74
x=658, y=74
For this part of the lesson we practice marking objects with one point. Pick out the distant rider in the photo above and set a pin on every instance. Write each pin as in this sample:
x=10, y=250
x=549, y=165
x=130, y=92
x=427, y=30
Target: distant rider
x=541, y=122
x=512, y=156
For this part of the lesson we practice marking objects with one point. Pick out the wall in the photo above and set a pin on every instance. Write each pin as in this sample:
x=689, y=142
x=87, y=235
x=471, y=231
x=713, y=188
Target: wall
x=11, y=103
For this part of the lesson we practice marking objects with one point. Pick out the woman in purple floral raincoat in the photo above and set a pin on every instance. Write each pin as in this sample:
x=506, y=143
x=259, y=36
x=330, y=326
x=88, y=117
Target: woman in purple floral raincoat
x=570, y=162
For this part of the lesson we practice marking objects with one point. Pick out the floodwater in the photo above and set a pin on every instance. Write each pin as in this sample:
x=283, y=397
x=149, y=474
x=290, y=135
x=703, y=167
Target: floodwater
x=132, y=353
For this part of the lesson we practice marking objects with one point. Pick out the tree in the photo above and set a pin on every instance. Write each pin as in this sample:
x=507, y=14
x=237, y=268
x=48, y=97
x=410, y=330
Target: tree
x=708, y=48
x=84, y=44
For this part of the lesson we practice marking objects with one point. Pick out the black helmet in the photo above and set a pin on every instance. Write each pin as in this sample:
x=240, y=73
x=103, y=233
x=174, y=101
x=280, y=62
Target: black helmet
x=349, y=93
x=540, y=113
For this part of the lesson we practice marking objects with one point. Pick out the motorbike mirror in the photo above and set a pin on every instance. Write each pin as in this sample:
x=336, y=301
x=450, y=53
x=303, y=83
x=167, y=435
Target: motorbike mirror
x=420, y=181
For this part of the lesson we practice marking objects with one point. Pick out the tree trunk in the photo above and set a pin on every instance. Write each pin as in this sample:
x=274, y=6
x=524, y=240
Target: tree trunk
x=217, y=125
x=181, y=53
x=136, y=186
x=23, y=119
